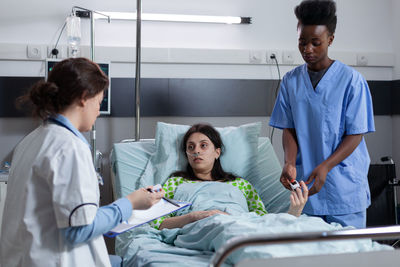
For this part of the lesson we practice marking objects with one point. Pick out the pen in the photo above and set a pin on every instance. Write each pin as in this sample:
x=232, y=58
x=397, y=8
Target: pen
x=171, y=201
x=166, y=199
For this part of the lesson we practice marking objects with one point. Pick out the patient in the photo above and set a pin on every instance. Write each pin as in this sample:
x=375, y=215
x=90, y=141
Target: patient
x=189, y=237
x=203, y=147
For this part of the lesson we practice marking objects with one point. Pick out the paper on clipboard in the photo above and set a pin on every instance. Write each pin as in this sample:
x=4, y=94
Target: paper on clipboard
x=140, y=217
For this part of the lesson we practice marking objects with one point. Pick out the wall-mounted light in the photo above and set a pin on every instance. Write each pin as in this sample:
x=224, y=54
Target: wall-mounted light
x=168, y=17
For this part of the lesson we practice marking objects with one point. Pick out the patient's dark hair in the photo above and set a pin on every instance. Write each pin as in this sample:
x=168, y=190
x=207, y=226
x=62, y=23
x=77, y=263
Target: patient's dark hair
x=317, y=12
x=70, y=80
x=217, y=173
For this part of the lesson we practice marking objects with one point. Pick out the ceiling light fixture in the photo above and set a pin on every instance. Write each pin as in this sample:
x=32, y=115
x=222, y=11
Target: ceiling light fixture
x=168, y=17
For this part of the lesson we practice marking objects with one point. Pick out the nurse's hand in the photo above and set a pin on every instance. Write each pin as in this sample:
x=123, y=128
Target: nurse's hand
x=288, y=174
x=298, y=199
x=142, y=199
x=318, y=175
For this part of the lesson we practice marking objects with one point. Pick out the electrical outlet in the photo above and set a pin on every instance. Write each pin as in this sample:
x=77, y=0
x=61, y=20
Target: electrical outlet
x=288, y=57
x=270, y=56
x=255, y=56
x=362, y=60
x=34, y=51
x=62, y=51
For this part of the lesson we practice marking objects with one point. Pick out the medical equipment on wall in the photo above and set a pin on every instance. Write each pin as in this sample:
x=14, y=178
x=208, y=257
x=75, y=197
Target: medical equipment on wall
x=92, y=57
x=73, y=34
x=105, y=106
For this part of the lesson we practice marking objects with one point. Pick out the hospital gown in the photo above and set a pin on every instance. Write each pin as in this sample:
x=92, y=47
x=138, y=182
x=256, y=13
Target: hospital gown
x=254, y=201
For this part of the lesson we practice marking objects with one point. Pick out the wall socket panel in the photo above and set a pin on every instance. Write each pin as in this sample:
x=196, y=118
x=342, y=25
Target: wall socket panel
x=256, y=56
x=287, y=57
x=270, y=60
x=362, y=60
x=34, y=51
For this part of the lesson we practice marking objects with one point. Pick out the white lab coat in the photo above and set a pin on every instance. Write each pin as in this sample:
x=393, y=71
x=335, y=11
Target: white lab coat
x=52, y=185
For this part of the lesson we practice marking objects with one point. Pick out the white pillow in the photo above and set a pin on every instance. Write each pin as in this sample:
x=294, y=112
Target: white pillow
x=239, y=155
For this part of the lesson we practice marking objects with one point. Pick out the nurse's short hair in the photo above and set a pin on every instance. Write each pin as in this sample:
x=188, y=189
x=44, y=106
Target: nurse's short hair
x=317, y=12
x=70, y=80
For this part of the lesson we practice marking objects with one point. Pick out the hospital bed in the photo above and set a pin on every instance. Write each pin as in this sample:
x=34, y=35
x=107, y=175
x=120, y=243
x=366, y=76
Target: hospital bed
x=131, y=161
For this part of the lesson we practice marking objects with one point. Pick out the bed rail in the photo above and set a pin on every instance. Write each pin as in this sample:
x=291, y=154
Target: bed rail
x=377, y=233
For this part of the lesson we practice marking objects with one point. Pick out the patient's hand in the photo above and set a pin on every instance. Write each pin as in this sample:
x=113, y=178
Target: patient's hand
x=198, y=215
x=142, y=199
x=180, y=221
x=298, y=199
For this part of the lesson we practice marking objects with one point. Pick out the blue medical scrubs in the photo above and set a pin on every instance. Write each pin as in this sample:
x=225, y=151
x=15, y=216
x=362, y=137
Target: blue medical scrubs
x=340, y=105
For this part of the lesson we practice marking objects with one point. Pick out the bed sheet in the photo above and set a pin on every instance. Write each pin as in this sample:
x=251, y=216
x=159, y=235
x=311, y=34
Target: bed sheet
x=147, y=247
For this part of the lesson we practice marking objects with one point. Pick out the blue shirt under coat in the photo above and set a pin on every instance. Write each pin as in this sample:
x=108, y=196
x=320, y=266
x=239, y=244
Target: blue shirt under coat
x=340, y=105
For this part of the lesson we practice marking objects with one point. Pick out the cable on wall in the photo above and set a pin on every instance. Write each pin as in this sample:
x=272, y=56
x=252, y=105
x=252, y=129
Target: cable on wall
x=54, y=51
x=273, y=56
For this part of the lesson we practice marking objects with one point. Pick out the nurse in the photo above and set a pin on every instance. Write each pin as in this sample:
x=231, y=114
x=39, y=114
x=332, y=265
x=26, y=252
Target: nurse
x=52, y=215
x=324, y=108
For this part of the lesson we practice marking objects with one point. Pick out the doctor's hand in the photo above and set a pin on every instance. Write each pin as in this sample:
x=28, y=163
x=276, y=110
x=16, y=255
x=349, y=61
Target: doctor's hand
x=288, y=174
x=298, y=199
x=318, y=175
x=142, y=199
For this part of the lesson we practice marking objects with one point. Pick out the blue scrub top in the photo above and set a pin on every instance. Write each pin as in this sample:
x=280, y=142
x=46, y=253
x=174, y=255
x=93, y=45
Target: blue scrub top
x=340, y=105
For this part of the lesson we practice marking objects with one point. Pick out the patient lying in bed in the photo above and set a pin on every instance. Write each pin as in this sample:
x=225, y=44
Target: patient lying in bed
x=203, y=147
x=223, y=207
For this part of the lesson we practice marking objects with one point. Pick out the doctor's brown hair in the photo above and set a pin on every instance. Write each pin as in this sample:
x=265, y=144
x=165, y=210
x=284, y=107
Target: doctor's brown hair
x=70, y=80
x=217, y=172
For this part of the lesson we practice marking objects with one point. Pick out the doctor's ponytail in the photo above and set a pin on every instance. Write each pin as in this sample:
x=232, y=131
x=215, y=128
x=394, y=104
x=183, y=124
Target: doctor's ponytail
x=42, y=99
x=70, y=80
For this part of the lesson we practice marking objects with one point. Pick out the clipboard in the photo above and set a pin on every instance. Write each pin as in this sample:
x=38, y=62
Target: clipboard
x=140, y=217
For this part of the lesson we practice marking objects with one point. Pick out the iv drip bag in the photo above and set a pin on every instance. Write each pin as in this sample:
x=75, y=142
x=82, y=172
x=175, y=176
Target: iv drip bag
x=73, y=34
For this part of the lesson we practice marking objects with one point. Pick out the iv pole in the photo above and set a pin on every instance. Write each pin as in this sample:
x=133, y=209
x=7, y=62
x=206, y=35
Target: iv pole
x=92, y=57
x=138, y=62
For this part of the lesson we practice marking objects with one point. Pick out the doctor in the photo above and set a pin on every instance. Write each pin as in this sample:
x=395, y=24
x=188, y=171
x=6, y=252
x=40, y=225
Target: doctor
x=324, y=108
x=52, y=215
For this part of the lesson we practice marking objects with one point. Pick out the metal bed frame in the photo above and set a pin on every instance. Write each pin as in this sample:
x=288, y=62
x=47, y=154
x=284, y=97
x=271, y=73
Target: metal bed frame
x=378, y=233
